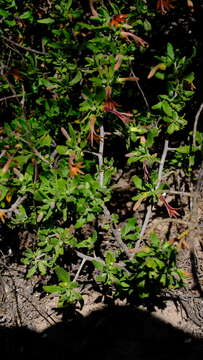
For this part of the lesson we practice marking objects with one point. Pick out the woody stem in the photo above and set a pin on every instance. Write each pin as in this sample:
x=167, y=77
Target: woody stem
x=150, y=207
x=100, y=156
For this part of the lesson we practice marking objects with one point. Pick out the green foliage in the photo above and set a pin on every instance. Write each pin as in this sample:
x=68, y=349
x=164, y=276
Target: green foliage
x=141, y=280
x=66, y=71
x=67, y=289
x=154, y=268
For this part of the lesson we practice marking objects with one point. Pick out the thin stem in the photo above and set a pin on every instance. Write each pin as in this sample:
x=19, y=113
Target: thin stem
x=11, y=97
x=141, y=91
x=150, y=207
x=196, y=123
x=36, y=152
x=22, y=47
x=80, y=268
x=14, y=207
x=101, y=155
x=143, y=95
x=116, y=233
x=162, y=162
x=89, y=258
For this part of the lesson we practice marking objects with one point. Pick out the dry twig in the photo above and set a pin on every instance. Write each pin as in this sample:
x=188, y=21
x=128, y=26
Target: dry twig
x=22, y=47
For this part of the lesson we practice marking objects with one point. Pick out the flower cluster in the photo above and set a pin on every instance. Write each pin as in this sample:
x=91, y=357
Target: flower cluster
x=111, y=106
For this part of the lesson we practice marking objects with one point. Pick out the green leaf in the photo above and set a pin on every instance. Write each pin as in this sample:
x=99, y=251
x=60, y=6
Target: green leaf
x=110, y=258
x=46, y=21
x=154, y=239
x=160, y=263
x=10, y=22
x=190, y=77
x=62, y=150
x=147, y=25
x=42, y=267
x=4, y=13
x=150, y=263
x=21, y=214
x=31, y=272
x=101, y=278
x=76, y=79
x=141, y=284
x=62, y=274
x=61, y=185
x=163, y=279
x=68, y=4
x=143, y=254
x=80, y=222
x=53, y=289
x=26, y=15
x=3, y=192
x=167, y=108
x=157, y=106
x=124, y=284
x=22, y=159
x=129, y=226
x=184, y=149
x=71, y=132
x=172, y=128
x=159, y=75
x=45, y=140
x=137, y=182
x=98, y=265
x=144, y=295
x=170, y=51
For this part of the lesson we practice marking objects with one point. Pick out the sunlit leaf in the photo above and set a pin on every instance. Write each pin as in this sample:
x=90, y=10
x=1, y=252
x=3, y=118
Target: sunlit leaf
x=62, y=274
x=46, y=21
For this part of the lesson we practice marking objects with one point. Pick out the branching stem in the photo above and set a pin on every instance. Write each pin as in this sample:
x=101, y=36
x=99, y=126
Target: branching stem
x=150, y=207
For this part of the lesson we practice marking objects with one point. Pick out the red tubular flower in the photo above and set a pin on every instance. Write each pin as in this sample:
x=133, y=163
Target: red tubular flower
x=137, y=39
x=120, y=19
x=119, y=59
x=125, y=117
x=111, y=106
x=171, y=210
x=93, y=135
x=93, y=10
x=164, y=5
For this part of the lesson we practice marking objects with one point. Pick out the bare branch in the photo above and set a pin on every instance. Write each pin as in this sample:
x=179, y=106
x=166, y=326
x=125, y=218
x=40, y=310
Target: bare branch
x=22, y=47
x=100, y=156
x=89, y=258
x=11, y=97
x=14, y=207
x=39, y=155
x=150, y=207
x=80, y=268
x=36, y=152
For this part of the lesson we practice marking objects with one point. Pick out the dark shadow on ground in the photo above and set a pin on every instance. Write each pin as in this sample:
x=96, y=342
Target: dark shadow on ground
x=115, y=333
